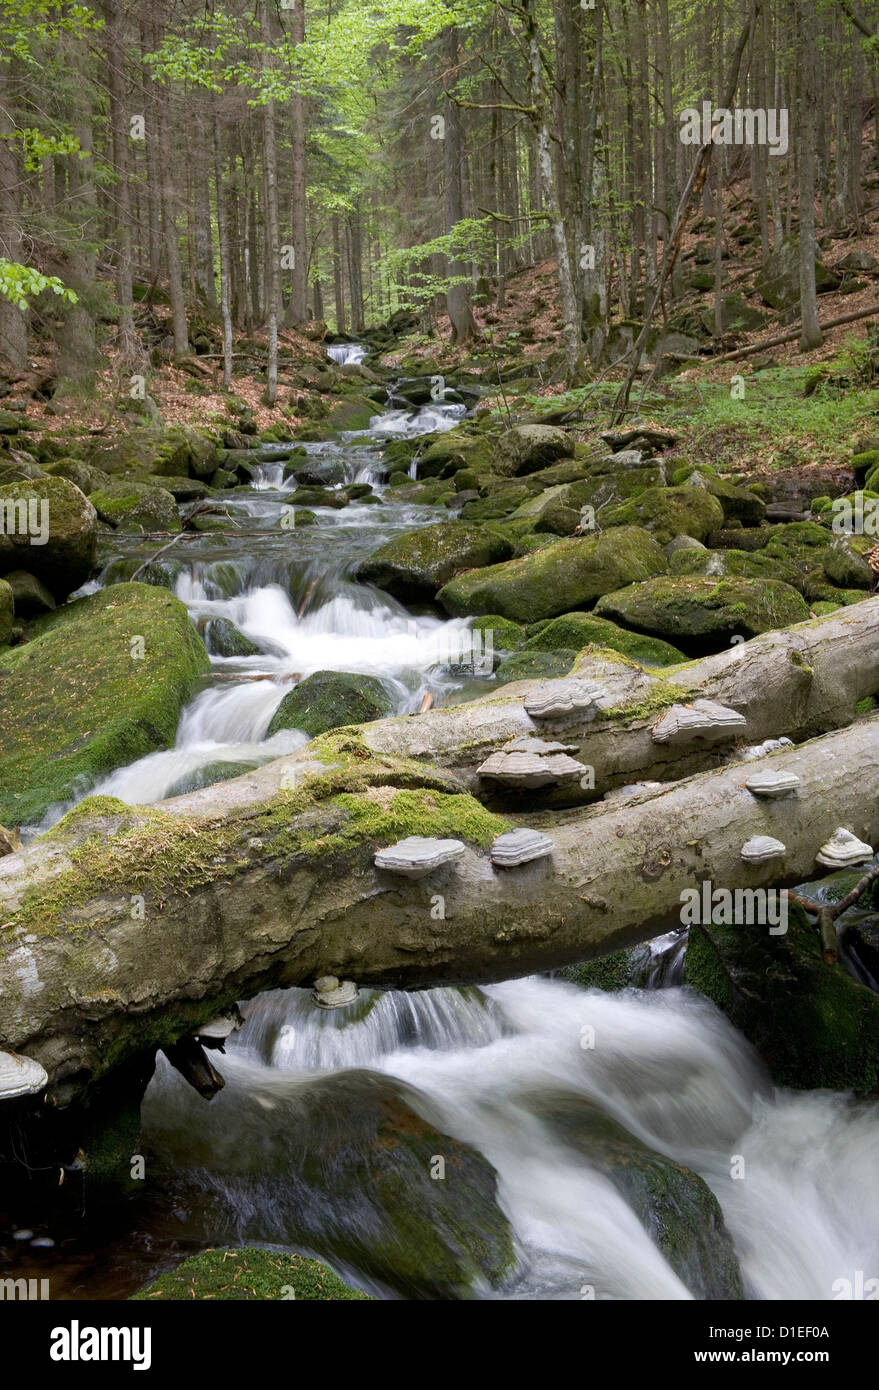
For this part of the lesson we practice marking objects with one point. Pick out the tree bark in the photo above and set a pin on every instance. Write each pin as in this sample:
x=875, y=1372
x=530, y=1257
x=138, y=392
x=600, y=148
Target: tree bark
x=457, y=296
x=297, y=309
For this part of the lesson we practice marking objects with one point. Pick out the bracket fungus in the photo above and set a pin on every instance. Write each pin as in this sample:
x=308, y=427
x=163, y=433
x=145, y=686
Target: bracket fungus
x=531, y=762
x=702, y=722
x=772, y=783
x=417, y=856
x=331, y=993
x=520, y=846
x=558, y=698
x=843, y=848
x=215, y=1033
x=762, y=848
x=20, y=1076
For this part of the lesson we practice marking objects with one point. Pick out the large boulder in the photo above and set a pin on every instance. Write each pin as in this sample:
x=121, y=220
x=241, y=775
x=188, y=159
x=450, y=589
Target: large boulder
x=346, y=1165
x=415, y=565
x=668, y=512
x=236, y=1276
x=49, y=528
x=526, y=448
x=570, y=573
x=704, y=615
x=813, y=1024
x=130, y=506
x=329, y=700
x=101, y=683
x=779, y=279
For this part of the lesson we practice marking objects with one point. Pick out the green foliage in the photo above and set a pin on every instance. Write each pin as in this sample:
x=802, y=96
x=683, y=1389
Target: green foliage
x=22, y=283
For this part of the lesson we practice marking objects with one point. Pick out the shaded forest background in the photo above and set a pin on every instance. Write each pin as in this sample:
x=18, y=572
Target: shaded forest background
x=174, y=177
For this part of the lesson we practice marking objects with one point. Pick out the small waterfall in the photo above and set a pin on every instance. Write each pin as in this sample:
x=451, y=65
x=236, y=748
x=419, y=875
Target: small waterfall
x=426, y=419
x=344, y=353
x=666, y=1065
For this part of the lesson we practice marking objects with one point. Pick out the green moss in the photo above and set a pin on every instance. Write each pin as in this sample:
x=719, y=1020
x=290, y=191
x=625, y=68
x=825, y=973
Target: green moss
x=578, y=630
x=101, y=683
x=240, y=1275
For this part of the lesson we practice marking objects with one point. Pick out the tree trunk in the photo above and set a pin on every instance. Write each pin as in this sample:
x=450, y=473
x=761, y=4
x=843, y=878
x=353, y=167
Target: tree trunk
x=457, y=296
x=297, y=309
x=13, y=324
x=130, y=353
x=223, y=233
x=338, y=282
x=173, y=268
x=810, y=333
x=273, y=249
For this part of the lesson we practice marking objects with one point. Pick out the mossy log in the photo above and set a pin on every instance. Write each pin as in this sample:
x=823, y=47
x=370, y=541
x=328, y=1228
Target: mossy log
x=797, y=682
x=123, y=929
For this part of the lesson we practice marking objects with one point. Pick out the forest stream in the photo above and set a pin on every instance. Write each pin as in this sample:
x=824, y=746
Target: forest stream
x=518, y=1072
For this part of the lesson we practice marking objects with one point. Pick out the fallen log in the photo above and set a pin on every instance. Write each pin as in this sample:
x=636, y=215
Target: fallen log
x=795, y=683
x=125, y=928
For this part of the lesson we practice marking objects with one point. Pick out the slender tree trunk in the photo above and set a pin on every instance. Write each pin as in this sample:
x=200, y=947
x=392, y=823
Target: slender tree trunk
x=457, y=296
x=810, y=332
x=225, y=276
x=273, y=249
x=297, y=309
x=338, y=280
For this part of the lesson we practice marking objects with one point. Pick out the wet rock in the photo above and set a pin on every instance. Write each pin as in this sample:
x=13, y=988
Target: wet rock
x=414, y=566
x=677, y=1209
x=812, y=1023
x=343, y=1164
x=222, y=638
x=329, y=700
x=129, y=506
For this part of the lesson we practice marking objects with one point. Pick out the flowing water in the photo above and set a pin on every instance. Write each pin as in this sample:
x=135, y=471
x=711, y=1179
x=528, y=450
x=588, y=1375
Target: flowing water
x=794, y=1173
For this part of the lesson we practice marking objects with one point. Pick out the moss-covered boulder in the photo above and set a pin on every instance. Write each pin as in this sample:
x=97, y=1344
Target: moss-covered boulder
x=676, y=1207
x=414, y=566
x=702, y=615
x=668, y=512
x=737, y=502
x=779, y=278
x=503, y=635
x=239, y=1276
x=571, y=573
x=527, y=448
x=812, y=1023
x=453, y=452
x=578, y=630
x=223, y=638
x=346, y=1165
x=534, y=665
x=49, y=529
x=845, y=562
x=129, y=506
x=7, y=612
x=329, y=700
x=101, y=683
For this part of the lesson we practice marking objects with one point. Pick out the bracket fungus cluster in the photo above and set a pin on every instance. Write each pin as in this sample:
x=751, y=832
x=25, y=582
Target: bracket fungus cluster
x=531, y=763
x=761, y=849
x=843, y=849
x=331, y=993
x=703, y=722
x=520, y=846
x=418, y=856
x=760, y=750
x=558, y=698
x=20, y=1076
x=772, y=784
